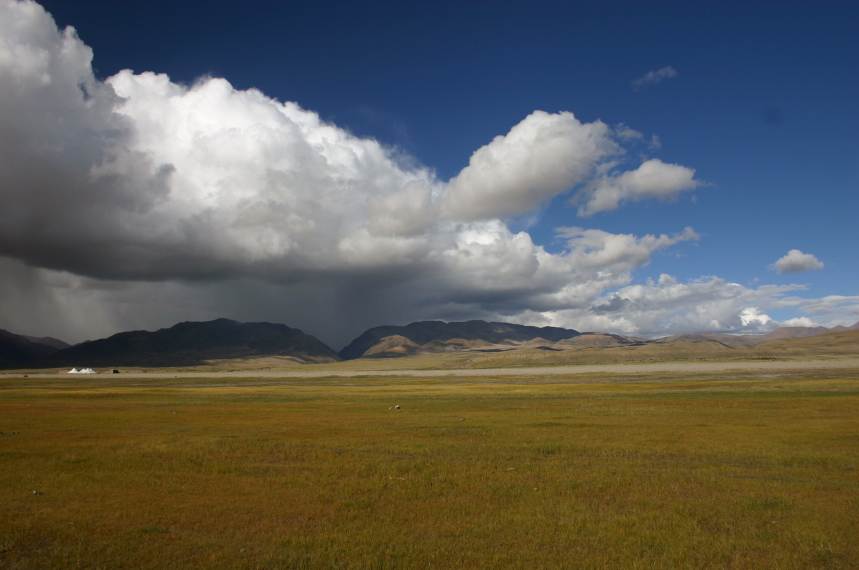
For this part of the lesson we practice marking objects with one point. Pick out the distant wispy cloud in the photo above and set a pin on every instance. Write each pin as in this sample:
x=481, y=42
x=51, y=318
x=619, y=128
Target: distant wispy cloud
x=654, y=77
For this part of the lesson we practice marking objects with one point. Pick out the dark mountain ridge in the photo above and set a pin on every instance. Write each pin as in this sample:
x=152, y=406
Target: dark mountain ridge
x=426, y=331
x=190, y=343
x=18, y=351
x=56, y=343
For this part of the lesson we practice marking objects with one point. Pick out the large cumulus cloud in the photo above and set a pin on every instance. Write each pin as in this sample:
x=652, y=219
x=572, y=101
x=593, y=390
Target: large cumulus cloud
x=538, y=159
x=139, y=202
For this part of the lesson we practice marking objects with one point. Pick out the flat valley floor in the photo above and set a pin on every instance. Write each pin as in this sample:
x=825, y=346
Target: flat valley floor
x=662, y=465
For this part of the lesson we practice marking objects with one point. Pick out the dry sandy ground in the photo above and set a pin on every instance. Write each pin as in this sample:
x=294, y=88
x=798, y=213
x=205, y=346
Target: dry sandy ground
x=317, y=371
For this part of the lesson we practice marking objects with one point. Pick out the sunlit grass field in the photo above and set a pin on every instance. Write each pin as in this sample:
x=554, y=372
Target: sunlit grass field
x=739, y=471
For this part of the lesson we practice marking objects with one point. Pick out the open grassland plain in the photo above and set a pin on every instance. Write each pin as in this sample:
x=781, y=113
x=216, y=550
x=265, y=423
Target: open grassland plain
x=728, y=469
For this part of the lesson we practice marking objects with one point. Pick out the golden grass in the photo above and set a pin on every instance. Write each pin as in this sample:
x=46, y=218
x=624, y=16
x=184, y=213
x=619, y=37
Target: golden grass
x=843, y=343
x=740, y=471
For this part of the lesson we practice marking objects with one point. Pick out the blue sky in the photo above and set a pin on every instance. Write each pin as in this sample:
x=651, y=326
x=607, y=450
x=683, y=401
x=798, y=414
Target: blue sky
x=760, y=101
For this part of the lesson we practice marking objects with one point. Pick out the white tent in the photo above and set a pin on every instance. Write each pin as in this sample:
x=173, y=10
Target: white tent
x=74, y=371
x=88, y=371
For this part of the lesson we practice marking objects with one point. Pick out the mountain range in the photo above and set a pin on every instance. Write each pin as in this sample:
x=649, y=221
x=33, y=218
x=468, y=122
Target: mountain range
x=439, y=336
x=748, y=340
x=17, y=351
x=195, y=343
x=185, y=344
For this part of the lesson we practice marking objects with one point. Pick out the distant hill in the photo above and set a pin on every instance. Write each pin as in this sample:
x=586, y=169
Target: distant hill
x=438, y=336
x=804, y=332
x=832, y=343
x=479, y=336
x=844, y=344
x=49, y=340
x=476, y=337
x=18, y=351
x=598, y=340
x=749, y=340
x=191, y=343
x=731, y=340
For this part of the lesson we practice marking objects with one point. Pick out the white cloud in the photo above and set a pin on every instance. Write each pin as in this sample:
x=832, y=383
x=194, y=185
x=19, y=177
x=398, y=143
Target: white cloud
x=666, y=307
x=655, y=77
x=136, y=202
x=753, y=316
x=653, y=179
x=539, y=158
x=799, y=322
x=140, y=178
x=624, y=132
x=839, y=309
x=796, y=262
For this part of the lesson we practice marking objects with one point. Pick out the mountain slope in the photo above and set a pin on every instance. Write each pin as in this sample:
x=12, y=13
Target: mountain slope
x=749, y=340
x=597, y=340
x=424, y=332
x=56, y=343
x=17, y=351
x=192, y=343
x=837, y=343
x=803, y=332
x=734, y=341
